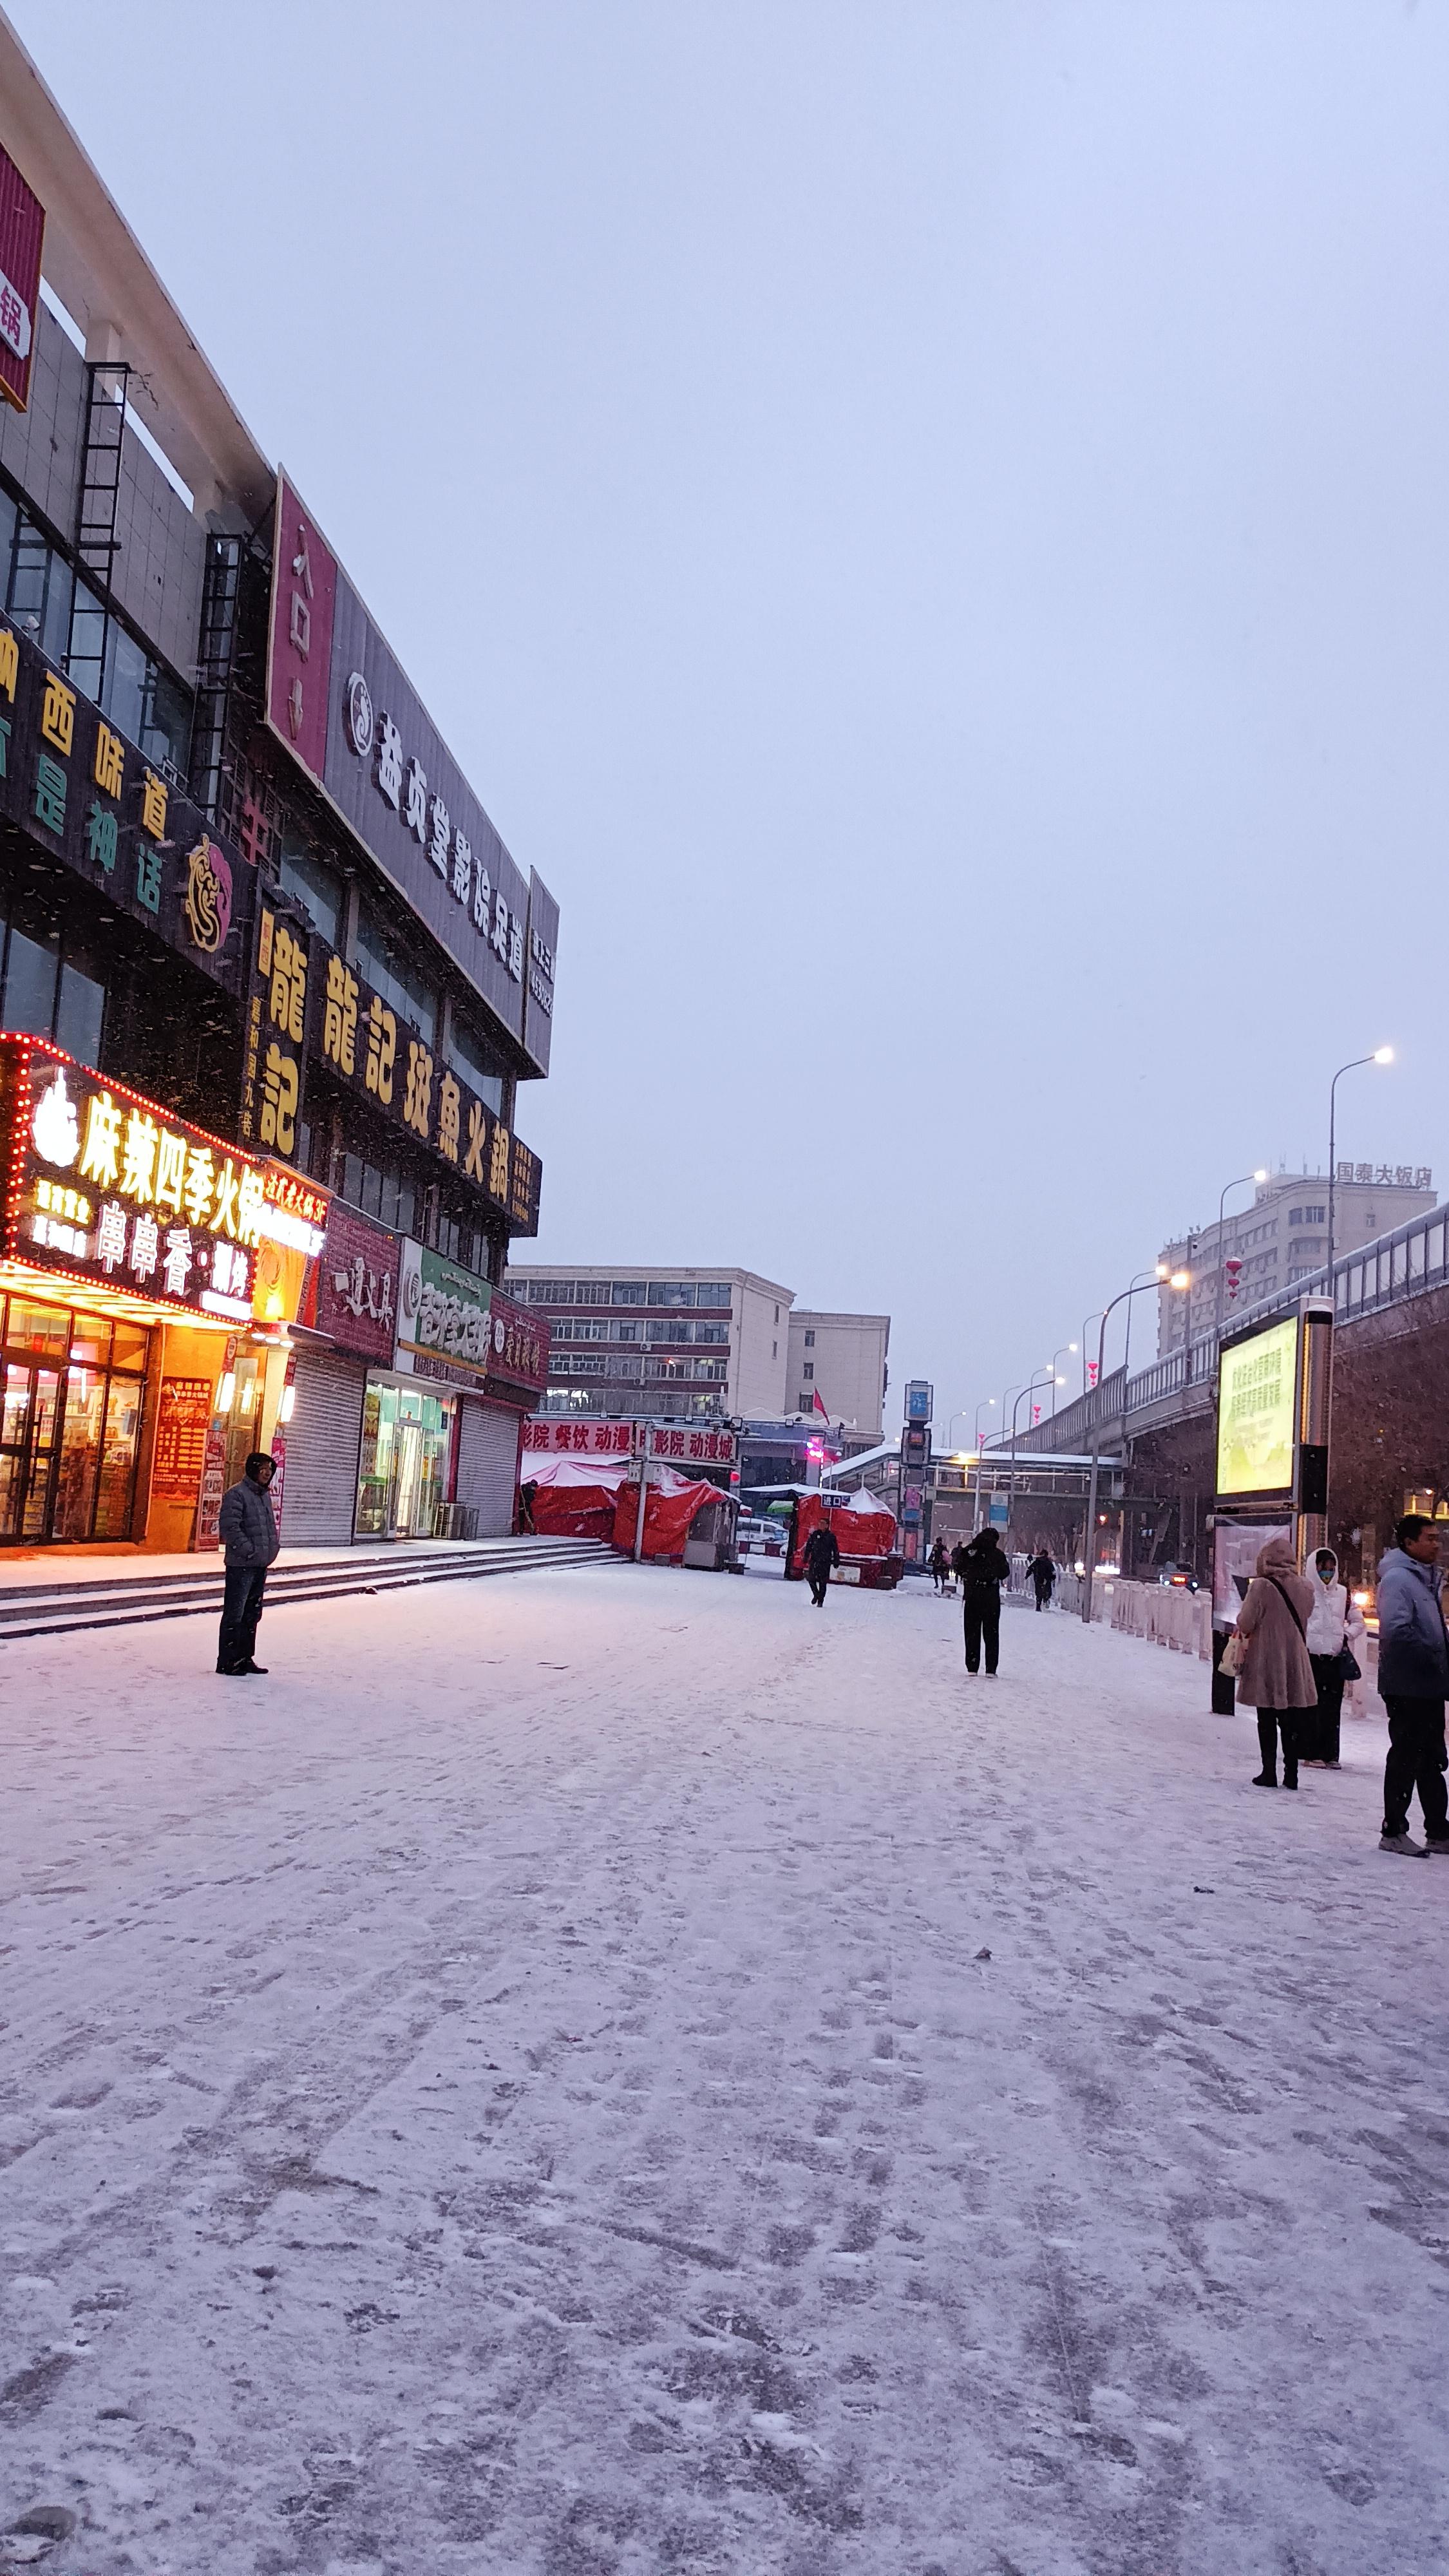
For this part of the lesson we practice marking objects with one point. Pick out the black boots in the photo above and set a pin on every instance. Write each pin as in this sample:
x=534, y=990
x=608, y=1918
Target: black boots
x=1267, y=1778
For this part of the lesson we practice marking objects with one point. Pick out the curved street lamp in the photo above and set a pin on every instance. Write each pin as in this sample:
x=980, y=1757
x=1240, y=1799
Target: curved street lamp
x=1181, y=1279
x=1240, y=1183
x=1065, y=1352
x=1381, y=1055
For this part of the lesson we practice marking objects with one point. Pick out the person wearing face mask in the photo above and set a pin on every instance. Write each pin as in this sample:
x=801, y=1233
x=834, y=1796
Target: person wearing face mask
x=1335, y=1621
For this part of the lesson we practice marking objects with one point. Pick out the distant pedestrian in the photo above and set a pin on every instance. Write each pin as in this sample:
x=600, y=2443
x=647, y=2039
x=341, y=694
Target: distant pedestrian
x=983, y=1567
x=1413, y=1685
x=1043, y=1576
x=821, y=1553
x=940, y=1564
x=1276, y=1677
x=247, y=1527
x=1335, y=1633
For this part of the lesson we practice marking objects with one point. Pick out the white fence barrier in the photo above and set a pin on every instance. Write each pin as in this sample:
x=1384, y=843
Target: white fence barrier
x=1166, y=1617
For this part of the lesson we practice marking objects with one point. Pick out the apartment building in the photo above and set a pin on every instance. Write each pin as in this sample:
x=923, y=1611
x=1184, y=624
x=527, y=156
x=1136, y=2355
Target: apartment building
x=1283, y=1238
x=842, y=1360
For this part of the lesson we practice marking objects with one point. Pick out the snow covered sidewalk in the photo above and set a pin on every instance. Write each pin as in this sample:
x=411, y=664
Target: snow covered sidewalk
x=601, y=2073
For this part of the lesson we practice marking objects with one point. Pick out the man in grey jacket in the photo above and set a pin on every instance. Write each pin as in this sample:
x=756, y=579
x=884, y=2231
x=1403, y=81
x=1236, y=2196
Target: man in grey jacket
x=248, y=1530
x=1413, y=1685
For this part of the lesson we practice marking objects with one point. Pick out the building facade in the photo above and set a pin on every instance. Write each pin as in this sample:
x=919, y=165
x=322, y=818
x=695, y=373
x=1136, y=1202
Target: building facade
x=270, y=981
x=842, y=1359
x=696, y=1346
x=1282, y=1238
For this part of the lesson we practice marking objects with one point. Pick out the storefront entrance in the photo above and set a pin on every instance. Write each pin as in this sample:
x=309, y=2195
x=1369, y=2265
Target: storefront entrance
x=70, y=1423
x=407, y=1439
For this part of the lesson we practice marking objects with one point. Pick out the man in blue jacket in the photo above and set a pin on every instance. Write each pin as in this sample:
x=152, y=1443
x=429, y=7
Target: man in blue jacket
x=1413, y=1685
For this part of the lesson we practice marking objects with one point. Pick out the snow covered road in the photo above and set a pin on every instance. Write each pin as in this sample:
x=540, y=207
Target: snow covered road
x=604, y=2072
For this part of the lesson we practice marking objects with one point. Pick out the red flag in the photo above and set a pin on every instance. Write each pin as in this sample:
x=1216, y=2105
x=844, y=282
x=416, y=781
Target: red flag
x=817, y=1404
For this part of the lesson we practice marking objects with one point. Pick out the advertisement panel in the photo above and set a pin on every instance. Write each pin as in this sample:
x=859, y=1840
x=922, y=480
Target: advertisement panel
x=442, y=1321
x=517, y=1351
x=90, y=799
x=107, y=1188
x=357, y=1285
x=353, y=719
x=22, y=239
x=1256, y=1396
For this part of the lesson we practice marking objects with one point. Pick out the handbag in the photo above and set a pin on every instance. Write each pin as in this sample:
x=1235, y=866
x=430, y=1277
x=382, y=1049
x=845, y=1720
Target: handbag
x=1346, y=1664
x=1230, y=1661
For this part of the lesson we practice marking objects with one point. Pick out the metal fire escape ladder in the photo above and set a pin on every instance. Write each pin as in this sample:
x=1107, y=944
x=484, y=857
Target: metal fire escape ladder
x=97, y=508
x=220, y=601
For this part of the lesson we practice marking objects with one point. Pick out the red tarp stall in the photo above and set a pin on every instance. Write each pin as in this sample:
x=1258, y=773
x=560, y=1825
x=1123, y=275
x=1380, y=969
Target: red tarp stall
x=573, y=1497
x=865, y=1533
x=671, y=1506
x=865, y=1527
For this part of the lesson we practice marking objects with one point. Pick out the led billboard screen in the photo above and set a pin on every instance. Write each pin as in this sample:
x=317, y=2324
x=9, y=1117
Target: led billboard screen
x=1255, y=1412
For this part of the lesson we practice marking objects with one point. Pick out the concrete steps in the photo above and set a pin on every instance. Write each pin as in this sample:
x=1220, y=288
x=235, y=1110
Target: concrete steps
x=126, y=1600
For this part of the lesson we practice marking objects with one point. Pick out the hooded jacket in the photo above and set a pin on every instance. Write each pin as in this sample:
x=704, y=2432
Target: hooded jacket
x=1335, y=1616
x=1276, y=1672
x=1413, y=1649
x=983, y=1564
x=247, y=1525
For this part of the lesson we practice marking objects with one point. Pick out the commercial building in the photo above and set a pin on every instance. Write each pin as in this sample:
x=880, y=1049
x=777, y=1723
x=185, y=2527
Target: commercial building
x=701, y=1345
x=1283, y=1238
x=269, y=978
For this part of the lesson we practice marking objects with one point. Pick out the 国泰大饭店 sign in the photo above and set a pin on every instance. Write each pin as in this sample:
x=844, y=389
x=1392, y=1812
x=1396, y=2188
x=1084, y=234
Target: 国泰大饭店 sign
x=110, y=1189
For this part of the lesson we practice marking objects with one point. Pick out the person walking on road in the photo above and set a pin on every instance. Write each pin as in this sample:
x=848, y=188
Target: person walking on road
x=940, y=1564
x=1413, y=1685
x=1043, y=1575
x=822, y=1551
x=1335, y=1629
x=247, y=1527
x=983, y=1568
x=1276, y=1677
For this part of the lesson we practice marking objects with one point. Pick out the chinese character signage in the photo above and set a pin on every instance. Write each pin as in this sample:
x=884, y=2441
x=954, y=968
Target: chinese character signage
x=681, y=1443
x=517, y=1351
x=357, y=1286
x=22, y=234
x=90, y=799
x=275, y=1027
x=361, y=1041
x=442, y=1325
x=372, y=747
x=108, y=1188
x=299, y=643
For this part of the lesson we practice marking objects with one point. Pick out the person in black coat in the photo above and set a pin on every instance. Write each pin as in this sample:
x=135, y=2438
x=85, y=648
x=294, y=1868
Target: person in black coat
x=1043, y=1575
x=983, y=1568
x=821, y=1553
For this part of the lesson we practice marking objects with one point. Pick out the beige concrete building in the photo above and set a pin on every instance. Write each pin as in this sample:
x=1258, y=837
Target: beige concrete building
x=842, y=1358
x=1283, y=1237
x=695, y=1345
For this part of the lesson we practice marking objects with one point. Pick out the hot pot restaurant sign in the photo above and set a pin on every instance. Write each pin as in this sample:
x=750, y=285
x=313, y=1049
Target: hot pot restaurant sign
x=104, y=1187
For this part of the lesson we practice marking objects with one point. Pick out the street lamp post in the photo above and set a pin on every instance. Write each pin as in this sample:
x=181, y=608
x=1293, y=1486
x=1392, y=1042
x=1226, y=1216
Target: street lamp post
x=1141, y=1279
x=1086, y=1320
x=1240, y=1183
x=985, y=1406
x=1064, y=1353
x=1381, y=1055
x=1046, y=1379
x=1179, y=1279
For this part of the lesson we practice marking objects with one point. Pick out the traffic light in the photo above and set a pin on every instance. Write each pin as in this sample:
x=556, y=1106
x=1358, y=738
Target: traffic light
x=916, y=1445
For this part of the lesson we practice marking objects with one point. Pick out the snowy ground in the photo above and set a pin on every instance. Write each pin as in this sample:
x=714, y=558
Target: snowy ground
x=604, y=2072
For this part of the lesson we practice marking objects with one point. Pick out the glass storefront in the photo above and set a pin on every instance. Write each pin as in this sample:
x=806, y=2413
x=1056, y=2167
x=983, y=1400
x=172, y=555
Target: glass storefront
x=70, y=1423
x=407, y=1440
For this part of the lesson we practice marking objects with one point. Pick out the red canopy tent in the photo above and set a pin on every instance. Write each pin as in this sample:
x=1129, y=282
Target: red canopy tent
x=671, y=1505
x=572, y=1497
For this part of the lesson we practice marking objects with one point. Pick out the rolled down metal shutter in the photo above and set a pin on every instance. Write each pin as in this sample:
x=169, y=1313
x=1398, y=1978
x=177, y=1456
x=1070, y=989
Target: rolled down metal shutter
x=488, y=1464
x=319, y=1498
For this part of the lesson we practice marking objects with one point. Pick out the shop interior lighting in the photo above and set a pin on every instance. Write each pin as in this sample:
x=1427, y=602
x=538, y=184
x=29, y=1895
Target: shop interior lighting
x=226, y=1392
x=288, y=1403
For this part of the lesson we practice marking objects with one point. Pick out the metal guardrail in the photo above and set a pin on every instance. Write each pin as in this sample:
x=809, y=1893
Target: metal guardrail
x=1388, y=1272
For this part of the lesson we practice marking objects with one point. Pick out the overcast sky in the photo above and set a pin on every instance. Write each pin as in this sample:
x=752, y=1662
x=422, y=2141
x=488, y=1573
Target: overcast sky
x=927, y=525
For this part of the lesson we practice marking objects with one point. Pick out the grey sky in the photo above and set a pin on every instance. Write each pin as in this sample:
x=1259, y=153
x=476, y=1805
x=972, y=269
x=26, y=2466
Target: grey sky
x=927, y=524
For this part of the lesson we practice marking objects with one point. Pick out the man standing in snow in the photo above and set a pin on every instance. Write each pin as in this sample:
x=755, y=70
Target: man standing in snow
x=821, y=1553
x=983, y=1567
x=1413, y=1685
x=247, y=1528
x=1043, y=1575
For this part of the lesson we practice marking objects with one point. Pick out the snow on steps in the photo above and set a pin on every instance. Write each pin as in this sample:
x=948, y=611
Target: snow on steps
x=118, y=1601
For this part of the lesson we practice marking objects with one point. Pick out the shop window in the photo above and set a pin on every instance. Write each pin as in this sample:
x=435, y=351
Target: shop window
x=382, y=963
x=478, y=1065
x=302, y=875
x=79, y=1013
x=32, y=968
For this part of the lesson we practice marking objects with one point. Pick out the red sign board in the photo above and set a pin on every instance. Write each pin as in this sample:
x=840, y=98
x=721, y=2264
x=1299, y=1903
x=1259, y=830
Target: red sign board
x=517, y=1350
x=299, y=646
x=22, y=232
x=357, y=1285
x=687, y=1444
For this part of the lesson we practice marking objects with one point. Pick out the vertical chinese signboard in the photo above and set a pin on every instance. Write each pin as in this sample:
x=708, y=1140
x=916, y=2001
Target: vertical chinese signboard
x=22, y=235
x=299, y=643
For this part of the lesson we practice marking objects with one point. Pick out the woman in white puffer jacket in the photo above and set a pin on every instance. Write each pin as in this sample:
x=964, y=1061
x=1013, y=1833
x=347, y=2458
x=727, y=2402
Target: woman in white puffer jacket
x=1335, y=1621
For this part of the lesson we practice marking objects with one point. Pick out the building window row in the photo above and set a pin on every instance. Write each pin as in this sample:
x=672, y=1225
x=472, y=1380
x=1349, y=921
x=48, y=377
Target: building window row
x=141, y=698
x=666, y=1293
